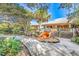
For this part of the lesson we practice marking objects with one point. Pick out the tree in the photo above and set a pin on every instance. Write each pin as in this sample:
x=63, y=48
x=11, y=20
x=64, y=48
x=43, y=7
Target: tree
x=72, y=16
x=41, y=15
x=66, y=6
x=22, y=16
x=38, y=5
x=73, y=9
x=40, y=11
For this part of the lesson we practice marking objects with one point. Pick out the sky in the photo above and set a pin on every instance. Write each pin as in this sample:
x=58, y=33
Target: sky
x=53, y=10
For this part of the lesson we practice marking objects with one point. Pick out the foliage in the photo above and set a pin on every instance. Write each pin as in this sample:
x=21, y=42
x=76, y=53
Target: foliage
x=31, y=28
x=18, y=12
x=32, y=6
x=76, y=39
x=65, y=5
x=40, y=11
x=17, y=29
x=24, y=16
x=41, y=15
x=5, y=28
x=73, y=10
x=10, y=46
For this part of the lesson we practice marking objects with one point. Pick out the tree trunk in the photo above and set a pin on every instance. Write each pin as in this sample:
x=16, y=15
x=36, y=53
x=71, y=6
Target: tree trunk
x=27, y=28
x=74, y=34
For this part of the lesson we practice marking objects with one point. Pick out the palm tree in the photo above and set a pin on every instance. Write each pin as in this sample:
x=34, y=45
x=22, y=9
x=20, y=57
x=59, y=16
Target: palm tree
x=40, y=11
x=41, y=15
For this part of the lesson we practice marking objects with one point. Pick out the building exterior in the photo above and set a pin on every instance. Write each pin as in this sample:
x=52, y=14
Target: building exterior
x=61, y=23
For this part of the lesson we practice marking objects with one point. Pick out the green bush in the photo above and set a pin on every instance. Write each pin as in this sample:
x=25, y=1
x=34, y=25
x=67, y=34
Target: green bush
x=10, y=46
x=17, y=29
x=76, y=39
x=30, y=28
x=5, y=28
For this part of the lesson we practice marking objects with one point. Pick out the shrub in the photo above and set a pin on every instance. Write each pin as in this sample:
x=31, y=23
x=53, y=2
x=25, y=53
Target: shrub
x=10, y=46
x=17, y=29
x=76, y=39
x=5, y=28
x=31, y=28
